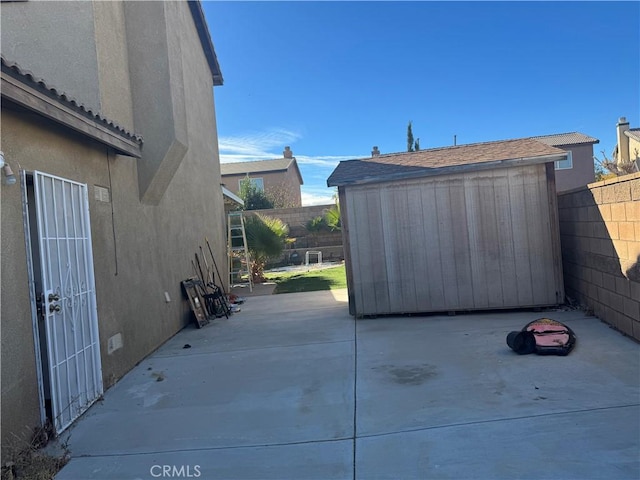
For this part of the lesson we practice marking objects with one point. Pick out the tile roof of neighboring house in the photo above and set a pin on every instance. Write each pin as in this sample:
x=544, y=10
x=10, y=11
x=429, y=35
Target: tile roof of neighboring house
x=443, y=160
x=633, y=133
x=259, y=166
x=564, y=139
x=27, y=77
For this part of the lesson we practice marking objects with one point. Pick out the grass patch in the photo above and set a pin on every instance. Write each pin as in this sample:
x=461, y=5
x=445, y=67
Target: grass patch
x=293, y=282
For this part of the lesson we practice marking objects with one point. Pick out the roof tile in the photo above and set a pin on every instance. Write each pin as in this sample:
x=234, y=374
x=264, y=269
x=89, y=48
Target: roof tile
x=27, y=77
x=565, y=139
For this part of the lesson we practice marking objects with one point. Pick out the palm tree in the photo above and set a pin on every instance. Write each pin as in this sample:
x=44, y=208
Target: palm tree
x=266, y=238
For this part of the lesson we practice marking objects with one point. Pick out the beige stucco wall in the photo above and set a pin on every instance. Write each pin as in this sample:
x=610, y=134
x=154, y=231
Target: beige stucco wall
x=634, y=149
x=583, y=171
x=56, y=41
x=140, y=250
x=113, y=62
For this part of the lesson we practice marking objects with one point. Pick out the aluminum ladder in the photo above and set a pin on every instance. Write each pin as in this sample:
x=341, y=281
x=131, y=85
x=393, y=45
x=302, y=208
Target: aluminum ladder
x=239, y=264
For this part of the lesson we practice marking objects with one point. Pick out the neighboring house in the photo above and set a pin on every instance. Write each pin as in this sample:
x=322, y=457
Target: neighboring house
x=578, y=169
x=628, y=144
x=467, y=227
x=118, y=185
x=280, y=179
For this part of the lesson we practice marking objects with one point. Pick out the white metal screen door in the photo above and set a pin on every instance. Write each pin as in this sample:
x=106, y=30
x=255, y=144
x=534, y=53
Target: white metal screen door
x=69, y=297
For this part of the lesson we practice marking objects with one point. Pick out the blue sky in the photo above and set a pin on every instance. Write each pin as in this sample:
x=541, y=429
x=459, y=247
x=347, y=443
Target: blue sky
x=332, y=79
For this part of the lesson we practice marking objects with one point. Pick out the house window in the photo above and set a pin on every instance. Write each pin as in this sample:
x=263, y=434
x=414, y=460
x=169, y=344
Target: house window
x=565, y=164
x=258, y=182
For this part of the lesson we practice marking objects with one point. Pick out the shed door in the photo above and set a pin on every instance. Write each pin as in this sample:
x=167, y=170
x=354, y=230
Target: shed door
x=69, y=298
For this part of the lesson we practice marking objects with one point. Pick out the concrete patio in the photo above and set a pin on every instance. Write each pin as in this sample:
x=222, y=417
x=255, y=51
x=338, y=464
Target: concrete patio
x=293, y=388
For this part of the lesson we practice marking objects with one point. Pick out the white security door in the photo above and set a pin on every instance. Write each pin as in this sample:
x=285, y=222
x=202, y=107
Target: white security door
x=69, y=297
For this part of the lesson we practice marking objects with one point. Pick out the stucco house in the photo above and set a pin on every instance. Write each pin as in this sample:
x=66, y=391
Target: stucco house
x=280, y=178
x=108, y=124
x=578, y=169
x=628, y=144
x=468, y=227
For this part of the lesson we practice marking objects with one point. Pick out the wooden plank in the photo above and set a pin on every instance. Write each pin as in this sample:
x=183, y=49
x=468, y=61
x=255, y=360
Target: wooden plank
x=430, y=228
x=398, y=246
x=505, y=234
x=353, y=204
x=368, y=251
x=474, y=226
x=540, y=255
x=555, y=232
x=447, y=257
x=461, y=250
x=346, y=247
x=378, y=276
x=520, y=234
x=418, y=256
x=390, y=257
x=490, y=241
x=196, y=301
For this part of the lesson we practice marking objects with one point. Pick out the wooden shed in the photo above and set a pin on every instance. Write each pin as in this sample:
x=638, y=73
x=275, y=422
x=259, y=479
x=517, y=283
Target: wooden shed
x=469, y=227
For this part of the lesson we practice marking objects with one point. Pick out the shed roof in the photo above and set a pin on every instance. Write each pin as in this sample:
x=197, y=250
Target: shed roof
x=565, y=139
x=440, y=161
x=260, y=166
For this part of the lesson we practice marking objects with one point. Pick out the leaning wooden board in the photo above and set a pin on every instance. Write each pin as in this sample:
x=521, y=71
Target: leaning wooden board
x=196, y=301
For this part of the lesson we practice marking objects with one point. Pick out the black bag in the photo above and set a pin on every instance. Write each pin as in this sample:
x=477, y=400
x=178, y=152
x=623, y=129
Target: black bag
x=543, y=336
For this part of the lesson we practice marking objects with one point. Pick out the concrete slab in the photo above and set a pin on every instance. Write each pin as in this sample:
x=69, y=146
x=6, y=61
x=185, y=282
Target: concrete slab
x=312, y=461
x=596, y=444
x=433, y=371
x=293, y=387
x=463, y=405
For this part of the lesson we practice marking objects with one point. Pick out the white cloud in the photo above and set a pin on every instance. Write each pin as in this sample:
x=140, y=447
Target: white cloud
x=317, y=198
x=330, y=161
x=255, y=146
x=270, y=144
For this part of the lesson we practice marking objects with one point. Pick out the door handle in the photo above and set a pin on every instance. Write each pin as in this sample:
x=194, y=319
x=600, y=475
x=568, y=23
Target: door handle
x=54, y=308
x=54, y=297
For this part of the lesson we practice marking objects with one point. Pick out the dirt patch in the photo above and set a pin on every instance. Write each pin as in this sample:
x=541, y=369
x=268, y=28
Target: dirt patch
x=27, y=460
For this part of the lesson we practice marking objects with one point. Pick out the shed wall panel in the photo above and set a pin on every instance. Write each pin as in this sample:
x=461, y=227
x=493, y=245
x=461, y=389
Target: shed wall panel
x=467, y=241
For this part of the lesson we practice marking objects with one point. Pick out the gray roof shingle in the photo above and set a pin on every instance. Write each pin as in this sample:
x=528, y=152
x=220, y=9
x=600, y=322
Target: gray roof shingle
x=566, y=139
x=436, y=161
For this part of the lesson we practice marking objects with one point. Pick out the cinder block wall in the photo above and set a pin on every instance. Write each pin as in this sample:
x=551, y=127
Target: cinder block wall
x=600, y=235
x=329, y=243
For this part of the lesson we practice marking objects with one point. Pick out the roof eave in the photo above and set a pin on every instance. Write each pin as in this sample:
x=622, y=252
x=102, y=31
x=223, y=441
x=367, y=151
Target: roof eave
x=205, y=39
x=569, y=145
x=231, y=197
x=27, y=96
x=295, y=163
x=463, y=168
x=252, y=172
